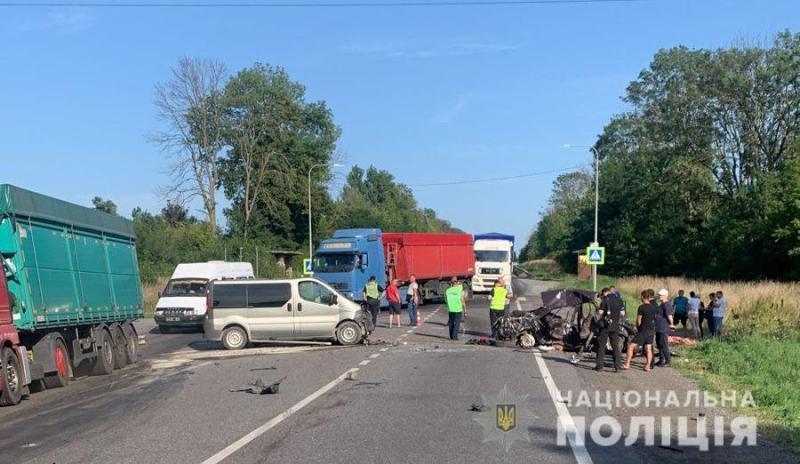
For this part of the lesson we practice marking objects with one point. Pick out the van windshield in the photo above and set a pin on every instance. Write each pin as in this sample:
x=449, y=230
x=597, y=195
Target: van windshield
x=493, y=256
x=186, y=287
x=335, y=263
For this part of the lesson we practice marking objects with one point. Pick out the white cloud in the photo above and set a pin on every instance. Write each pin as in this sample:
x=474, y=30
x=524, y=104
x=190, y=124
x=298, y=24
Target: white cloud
x=62, y=20
x=418, y=49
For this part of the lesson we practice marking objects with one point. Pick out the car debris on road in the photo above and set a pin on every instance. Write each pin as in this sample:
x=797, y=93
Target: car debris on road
x=259, y=388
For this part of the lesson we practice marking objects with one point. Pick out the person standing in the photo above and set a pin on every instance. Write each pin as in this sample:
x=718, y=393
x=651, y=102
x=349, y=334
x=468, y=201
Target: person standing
x=664, y=323
x=680, y=304
x=719, y=313
x=372, y=294
x=646, y=325
x=693, y=313
x=497, y=305
x=609, y=315
x=412, y=300
x=456, y=303
x=393, y=297
x=712, y=304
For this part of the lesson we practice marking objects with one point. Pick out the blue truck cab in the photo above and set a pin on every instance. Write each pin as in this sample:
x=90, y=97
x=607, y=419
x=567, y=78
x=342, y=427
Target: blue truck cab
x=347, y=261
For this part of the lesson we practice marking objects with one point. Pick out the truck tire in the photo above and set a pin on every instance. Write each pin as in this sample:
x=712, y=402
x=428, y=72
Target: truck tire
x=59, y=378
x=234, y=338
x=132, y=347
x=120, y=348
x=10, y=378
x=348, y=333
x=104, y=362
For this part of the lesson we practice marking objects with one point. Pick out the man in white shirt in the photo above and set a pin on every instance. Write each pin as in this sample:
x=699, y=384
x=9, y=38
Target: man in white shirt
x=412, y=298
x=694, y=313
x=719, y=312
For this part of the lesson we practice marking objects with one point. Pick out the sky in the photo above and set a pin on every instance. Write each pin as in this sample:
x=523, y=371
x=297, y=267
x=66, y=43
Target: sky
x=431, y=94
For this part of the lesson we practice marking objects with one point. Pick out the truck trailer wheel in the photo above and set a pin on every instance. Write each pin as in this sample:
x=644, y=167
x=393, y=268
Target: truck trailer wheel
x=104, y=362
x=59, y=378
x=120, y=348
x=10, y=380
x=132, y=347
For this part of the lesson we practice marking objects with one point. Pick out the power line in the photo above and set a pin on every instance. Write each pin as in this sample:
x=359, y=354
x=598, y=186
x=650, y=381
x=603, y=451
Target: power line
x=305, y=4
x=497, y=179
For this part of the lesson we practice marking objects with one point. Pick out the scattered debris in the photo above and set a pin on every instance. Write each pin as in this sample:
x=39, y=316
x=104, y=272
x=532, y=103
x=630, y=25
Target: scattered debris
x=671, y=448
x=369, y=384
x=482, y=341
x=477, y=407
x=259, y=388
x=352, y=375
x=270, y=368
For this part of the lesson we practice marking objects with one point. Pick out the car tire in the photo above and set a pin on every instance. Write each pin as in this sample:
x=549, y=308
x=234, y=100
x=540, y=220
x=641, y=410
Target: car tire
x=11, y=378
x=526, y=340
x=120, y=348
x=59, y=378
x=104, y=362
x=163, y=329
x=234, y=338
x=348, y=333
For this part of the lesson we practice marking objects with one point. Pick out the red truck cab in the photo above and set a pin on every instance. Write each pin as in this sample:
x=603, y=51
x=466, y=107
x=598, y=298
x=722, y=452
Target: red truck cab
x=13, y=356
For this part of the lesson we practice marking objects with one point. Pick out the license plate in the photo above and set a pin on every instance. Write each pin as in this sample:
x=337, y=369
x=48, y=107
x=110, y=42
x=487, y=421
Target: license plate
x=173, y=319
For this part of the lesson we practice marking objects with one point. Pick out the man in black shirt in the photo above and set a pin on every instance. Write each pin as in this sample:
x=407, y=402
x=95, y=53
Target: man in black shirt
x=609, y=314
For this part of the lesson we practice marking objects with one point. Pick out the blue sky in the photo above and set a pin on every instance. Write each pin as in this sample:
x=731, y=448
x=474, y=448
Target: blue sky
x=431, y=94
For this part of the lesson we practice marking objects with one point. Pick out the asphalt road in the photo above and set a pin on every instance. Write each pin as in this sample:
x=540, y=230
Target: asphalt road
x=408, y=397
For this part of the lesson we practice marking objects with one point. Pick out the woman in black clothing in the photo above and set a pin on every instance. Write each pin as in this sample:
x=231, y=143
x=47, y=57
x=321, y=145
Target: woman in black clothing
x=646, y=324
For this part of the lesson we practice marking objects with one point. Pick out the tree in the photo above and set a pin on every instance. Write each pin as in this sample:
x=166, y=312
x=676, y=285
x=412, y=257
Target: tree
x=191, y=104
x=175, y=213
x=106, y=206
x=275, y=136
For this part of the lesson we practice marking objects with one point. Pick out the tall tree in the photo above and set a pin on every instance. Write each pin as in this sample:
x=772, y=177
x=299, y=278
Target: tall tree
x=106, y=206
x=191, y=105
x=275, y=136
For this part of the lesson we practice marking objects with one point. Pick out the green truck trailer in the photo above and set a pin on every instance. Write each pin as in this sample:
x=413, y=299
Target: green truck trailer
x=69, y=293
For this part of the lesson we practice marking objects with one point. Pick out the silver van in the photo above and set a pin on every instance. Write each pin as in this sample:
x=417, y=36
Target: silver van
x=245, y=311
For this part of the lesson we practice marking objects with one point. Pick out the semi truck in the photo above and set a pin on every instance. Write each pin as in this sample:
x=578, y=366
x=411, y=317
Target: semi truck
x=348, y=259
x=494, y=258
x=69, y=292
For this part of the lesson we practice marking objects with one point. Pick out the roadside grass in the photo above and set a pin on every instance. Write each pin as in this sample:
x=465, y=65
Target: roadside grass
x=766, y=366
x=150, y=294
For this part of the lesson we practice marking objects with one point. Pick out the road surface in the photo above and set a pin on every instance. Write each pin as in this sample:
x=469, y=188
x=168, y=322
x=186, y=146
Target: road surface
x=409, y=397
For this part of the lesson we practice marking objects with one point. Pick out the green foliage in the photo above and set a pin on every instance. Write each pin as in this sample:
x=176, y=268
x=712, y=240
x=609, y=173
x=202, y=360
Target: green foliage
x=701, y=177
x=374, y=199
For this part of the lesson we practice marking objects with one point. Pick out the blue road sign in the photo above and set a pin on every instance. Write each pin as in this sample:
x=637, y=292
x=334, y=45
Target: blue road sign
x=596, y=255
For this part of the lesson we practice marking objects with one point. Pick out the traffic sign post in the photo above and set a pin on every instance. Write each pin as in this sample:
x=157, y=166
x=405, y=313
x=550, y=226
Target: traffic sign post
x=307, y=268
x=596, y=255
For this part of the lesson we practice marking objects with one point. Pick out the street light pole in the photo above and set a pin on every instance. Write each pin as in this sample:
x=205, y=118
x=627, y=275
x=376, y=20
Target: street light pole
x=310, y=240
x=596, y=208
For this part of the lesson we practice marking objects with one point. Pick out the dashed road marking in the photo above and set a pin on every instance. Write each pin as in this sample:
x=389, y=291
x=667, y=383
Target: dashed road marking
x=384, y=349
x=364, y=362
x=375, y=355
x=240, y=443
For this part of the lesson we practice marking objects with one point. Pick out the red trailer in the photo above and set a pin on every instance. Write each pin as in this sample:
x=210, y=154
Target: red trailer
x=433, y=258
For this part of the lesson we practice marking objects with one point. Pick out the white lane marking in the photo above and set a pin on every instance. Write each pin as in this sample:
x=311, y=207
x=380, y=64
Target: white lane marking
x=409, y=331
x=364, y=362
x=240, y=443
x=384, y=349
x=375, y=355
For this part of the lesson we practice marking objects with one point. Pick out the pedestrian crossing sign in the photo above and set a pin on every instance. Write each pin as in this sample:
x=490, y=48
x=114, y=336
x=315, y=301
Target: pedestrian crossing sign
x=596, y=255
x=307, y=269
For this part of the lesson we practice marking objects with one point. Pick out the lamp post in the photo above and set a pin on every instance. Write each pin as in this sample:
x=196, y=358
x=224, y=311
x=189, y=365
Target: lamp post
x=596, y=201
x=310, y=240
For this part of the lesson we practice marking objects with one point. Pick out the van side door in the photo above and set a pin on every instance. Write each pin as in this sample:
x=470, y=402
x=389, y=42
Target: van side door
x=317, y=311
x=271, y=311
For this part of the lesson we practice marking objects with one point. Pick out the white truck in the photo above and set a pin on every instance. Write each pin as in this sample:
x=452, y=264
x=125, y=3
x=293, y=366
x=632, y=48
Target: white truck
x=183, y=301
x=494, y=258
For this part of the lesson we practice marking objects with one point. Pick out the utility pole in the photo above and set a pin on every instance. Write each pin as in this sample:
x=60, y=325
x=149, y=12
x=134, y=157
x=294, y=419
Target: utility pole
x=310, y=239
x=596, y=209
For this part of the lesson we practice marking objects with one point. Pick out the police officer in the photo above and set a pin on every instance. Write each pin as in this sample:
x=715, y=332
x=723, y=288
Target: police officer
x=610, y=313
x=497, y=304
x=372, y=293
x=456, y=303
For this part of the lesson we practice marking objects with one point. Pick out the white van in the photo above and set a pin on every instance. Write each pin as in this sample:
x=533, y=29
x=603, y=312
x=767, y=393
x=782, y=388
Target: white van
x=183, y=301
x=289, y=309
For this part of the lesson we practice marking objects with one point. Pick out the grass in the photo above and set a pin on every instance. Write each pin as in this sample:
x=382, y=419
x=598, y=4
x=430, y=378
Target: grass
x=150, y=294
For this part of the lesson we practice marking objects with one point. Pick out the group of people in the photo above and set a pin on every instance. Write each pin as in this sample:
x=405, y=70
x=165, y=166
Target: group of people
x=373, y=293
x=656, y=317
x=697, y=312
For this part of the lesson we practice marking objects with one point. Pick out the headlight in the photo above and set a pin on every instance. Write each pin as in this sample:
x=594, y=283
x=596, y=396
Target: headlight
x=159, y=312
